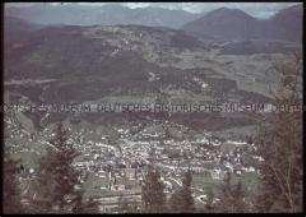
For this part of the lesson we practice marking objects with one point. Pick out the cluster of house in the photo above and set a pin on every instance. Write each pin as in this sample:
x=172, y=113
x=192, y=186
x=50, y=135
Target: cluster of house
x=120, y=169
x=123, y=169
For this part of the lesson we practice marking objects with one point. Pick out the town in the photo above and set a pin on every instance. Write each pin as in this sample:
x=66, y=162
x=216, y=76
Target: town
x=113, y=163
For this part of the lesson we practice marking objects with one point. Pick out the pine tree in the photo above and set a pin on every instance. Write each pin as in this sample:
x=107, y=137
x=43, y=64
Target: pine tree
x=209, y=205
x=87, y=206
x=182, y=200
x=11, y=198
x=232, y=197
x=153, y=195
x=57, y=177
x=128, y=206
x=280, y=146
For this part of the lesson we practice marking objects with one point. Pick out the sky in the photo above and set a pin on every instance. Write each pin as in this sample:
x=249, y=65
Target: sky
x=256, y=9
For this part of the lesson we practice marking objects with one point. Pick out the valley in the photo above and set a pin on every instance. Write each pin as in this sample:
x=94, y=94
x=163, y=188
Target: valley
x=52, y=62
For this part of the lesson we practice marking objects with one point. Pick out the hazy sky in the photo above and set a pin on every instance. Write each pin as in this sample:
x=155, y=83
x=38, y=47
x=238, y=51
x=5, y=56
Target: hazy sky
x=257, y=9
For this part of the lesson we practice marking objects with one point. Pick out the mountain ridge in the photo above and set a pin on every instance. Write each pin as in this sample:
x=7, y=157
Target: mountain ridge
x=235, y=24
x=110, y=14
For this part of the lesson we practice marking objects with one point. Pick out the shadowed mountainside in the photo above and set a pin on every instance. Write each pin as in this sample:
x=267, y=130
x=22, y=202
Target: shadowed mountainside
x=234, y=24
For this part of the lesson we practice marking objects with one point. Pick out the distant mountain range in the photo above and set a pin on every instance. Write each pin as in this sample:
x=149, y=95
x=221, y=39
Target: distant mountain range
x=234, y=24
x=221, y=24
x=110, y=14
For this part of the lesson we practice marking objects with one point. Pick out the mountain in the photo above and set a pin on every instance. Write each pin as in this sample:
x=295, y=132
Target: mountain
x=17, y=29
x=98, y=59
x=287, y=24
x=125, y=64
x=109, y=14
x=77, y=64
x=223, y=23
x=16, y=24
x=233, y=24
